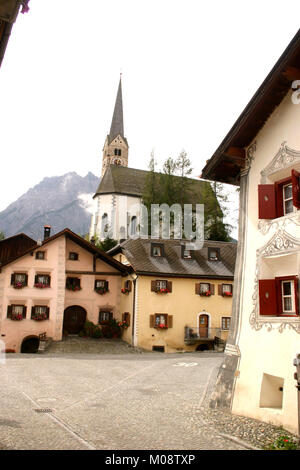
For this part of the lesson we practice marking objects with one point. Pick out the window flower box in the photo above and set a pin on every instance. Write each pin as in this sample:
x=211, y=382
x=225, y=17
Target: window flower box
x=101, y=290
x=123, y=324
x=125, y=291
x=40, y=285
x=19, y=285
x=161, y=326
x=227, y=294
x=205, y=294
x=73, y=288
x=163, y=291
x=40, y=317
x=16, y=316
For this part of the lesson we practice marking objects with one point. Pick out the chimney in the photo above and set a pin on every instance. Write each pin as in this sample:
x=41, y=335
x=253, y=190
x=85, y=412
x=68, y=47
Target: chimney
x=47, y=229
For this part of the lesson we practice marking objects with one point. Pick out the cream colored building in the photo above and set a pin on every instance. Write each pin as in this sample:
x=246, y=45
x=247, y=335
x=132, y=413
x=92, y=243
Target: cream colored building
x=176, y=299
x=261, y=153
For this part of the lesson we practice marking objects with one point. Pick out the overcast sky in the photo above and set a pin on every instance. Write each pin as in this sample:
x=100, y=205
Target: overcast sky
x=189, y=69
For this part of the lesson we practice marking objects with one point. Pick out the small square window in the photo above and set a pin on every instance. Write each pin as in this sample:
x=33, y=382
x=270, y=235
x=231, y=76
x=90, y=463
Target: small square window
x=213, y=254
x=226, y=323
x=73, y=256
x=156, y=250
x=105, y=317
x=204, y=287
x=40, y=255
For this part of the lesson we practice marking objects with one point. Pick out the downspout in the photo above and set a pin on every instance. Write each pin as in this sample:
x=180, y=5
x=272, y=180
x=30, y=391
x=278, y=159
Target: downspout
x=133, y=311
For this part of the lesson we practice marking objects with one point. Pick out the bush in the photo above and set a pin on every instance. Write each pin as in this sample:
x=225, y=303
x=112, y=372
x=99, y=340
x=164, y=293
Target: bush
x=283, y=443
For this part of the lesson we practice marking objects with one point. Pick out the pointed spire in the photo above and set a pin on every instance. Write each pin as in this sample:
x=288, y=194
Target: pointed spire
x=117, y=126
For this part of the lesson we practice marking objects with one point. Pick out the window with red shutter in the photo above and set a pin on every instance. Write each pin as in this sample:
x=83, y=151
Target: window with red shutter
x=266, y=201
x=296, y=188
x=268, y=304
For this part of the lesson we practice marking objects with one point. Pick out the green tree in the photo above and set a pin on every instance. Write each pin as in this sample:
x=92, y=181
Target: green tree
x=2, y=235
x=214, y=211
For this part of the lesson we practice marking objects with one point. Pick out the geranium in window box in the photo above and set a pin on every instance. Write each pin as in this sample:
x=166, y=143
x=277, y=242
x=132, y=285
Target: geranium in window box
x=125, y=291
x=205, y=294
x=161, y=326
x=227, y=294
x=73, y=288
x=16, y=316
x=40, y=285
x=101, y=290
x=163, y=291
x=19, y=285
x=123, y=324
x=40, y=317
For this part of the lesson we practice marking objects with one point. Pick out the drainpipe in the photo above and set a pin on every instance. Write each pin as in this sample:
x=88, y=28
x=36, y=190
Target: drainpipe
x=297, y=377
x=134, y=279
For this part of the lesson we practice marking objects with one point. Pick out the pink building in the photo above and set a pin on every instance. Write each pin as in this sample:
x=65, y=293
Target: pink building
x=54, y=286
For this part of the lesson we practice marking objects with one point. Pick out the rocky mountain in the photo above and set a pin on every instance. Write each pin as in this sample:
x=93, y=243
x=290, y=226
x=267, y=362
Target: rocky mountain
x=59, y=201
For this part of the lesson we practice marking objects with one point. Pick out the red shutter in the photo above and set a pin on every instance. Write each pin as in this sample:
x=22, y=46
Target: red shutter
x=268, y=304
x=296, y=286
x=296, y=188
x=266, y=201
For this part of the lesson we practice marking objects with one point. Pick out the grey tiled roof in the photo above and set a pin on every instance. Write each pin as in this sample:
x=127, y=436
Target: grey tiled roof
x=138, y=254
x=131, y=181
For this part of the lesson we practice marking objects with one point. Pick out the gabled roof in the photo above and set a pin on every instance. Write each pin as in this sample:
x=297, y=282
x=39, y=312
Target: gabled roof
x=81, y=242
x=14, y=246
x=228, y=160
x=138, y=254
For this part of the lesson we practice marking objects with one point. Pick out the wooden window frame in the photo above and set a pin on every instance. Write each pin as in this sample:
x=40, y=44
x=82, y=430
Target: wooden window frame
x=102, y=312
x=45, y=284
x=225, y=320
x=156, y=288
x=13, y=277
x=73, y=256
x=126, y=318
x=157, y=245
x=77, y=283
x=34, y=311
x=168, y=321
x=11, y=307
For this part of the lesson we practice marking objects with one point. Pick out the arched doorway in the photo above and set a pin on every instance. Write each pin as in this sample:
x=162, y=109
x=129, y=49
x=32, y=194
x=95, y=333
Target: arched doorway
x=30, y=345
x=74, y=318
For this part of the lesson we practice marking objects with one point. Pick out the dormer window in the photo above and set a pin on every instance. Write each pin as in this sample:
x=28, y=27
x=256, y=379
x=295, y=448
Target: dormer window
x=156, y=250
x=186, y=253
x=213, y=254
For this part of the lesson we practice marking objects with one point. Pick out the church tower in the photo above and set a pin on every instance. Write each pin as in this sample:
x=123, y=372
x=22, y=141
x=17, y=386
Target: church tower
x=115, y=150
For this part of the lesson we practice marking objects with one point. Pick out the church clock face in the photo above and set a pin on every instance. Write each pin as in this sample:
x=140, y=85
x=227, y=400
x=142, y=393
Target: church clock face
x=117, y=161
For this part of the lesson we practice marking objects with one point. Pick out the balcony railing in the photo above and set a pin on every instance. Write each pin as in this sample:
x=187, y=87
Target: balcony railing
x=193, y=334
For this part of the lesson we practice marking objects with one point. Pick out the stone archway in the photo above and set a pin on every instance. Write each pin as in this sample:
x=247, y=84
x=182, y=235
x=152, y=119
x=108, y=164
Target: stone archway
x=30, y=345
x=74, y=318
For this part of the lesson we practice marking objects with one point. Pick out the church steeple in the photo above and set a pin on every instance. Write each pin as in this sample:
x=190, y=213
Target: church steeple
x=115, y=150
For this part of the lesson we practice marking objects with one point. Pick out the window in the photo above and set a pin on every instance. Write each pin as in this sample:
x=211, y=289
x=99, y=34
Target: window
x=161, y=286
x=280, y=198
x=226, y=323
x=204, y=289
x=225, y=290
x=126, y=318
x=105, y=316
x=40, y=255
x=156, y=250
x=40, y=312
x=73, y=256
x=16, y=312
x=213, y=254
x=19, y=280
x=161, y=321
x=186, y=253
x=118, y=152
x=101, y=286
x=133, y=226
x=279, y=296
x=73, y=283
x=42, y=280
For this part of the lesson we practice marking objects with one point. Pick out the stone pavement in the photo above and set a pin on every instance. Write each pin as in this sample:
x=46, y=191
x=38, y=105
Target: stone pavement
x=108, y=401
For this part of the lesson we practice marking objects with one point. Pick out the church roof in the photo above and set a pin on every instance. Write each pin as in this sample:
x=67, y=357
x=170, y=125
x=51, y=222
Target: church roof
x=131, y=182
x=117, y=124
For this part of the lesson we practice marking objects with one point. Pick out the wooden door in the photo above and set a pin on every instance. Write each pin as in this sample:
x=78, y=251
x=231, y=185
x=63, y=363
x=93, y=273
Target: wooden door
x=203, y=326
x=74, y=318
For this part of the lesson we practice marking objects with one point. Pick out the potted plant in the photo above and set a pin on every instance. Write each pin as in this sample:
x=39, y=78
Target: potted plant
x=161, y=326
x=227, y=294
x=163, y=290
x=125, y=290
x=16, y=316
x=206, y=294
x=40, y=317
x=19, y=285
x=40, y=285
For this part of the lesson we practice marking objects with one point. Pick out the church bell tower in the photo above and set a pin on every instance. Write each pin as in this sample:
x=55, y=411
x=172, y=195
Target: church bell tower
x=115, y=150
